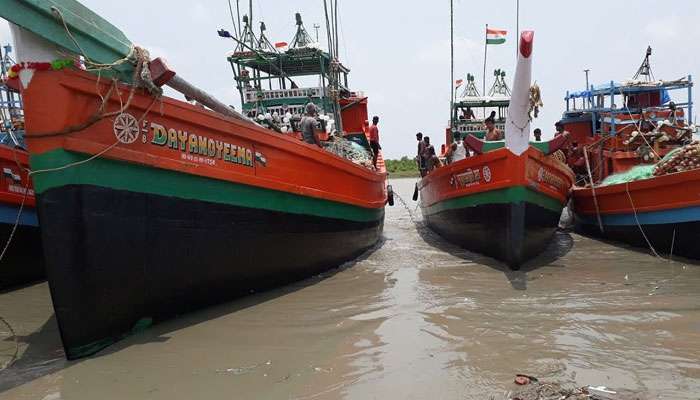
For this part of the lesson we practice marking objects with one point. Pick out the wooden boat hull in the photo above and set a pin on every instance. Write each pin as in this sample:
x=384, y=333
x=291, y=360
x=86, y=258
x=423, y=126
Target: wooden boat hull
x=665, y=208
x=149, y=230
x=23, y=261
x=498, y=204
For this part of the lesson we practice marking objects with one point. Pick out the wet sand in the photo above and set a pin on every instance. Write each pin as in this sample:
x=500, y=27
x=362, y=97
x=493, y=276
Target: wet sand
x=416, y=318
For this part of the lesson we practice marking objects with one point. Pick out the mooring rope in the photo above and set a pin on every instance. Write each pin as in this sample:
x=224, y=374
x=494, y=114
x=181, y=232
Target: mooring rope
x=634, y=210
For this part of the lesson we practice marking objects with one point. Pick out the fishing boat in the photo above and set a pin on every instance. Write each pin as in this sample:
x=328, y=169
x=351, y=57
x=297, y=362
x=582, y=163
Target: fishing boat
x=504, y=201
x=21, y=261
x=637, y=162
x=151, y=206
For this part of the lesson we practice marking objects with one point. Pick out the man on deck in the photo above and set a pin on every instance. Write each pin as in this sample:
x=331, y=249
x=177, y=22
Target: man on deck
x=538, y=134
x=419, y=155
x=308, y=126
x=374, y=140
x=492, y=133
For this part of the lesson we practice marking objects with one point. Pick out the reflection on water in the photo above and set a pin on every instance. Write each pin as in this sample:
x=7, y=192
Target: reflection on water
x=416, y=318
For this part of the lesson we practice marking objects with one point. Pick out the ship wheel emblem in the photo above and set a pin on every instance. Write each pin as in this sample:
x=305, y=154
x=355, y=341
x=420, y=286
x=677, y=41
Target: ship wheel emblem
x=486, y=171
x=126, y=128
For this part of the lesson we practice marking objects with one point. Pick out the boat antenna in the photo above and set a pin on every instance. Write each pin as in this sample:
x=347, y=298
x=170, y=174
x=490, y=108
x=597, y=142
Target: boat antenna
x=264, y=43
x=645, y=69
x=301, y=37
x=471, y=90
x=499, y=84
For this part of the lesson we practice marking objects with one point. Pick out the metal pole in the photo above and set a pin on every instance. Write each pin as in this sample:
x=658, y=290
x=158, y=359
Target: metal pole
x=316, y=26
x=452, y=61
x=238, y=14
x=589, y=97
x=517, y=26
x=483, y=90
x=690, y=100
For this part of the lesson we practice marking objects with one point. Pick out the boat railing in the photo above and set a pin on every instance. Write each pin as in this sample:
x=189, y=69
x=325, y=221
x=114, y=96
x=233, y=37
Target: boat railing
x=252, y=94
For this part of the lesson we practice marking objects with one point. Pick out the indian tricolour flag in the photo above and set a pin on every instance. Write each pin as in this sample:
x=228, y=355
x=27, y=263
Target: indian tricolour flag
x=495, y=36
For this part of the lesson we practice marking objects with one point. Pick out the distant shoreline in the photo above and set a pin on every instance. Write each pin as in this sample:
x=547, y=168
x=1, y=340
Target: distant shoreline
x=404, y=174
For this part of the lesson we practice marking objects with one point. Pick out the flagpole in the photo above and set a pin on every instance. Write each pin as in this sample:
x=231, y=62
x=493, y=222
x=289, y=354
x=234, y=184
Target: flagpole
x=517, y=26
x=452, y=62
x=483, y=91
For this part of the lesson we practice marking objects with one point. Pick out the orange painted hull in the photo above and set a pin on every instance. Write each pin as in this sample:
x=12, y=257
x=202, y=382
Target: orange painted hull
x=149, y=214
x=56, y=100
x=498, y=204
x=661, y=212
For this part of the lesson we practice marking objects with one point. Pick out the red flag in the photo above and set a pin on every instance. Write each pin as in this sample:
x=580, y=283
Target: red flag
x=459, y=82
x=281, y=45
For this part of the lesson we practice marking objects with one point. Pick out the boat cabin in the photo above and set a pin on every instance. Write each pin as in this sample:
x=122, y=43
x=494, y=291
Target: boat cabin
x=470, y=109
x=621, y=125
x=276, y=82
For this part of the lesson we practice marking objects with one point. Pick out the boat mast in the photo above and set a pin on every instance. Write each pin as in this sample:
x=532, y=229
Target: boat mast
x=452, y=63
x=333, y=74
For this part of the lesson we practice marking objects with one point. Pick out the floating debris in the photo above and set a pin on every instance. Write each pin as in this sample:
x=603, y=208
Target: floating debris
x=531, y=388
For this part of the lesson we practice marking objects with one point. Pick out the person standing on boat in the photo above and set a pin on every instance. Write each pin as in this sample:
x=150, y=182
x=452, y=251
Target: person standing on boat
x=433, y=160
x=538, y=134
x=560, y=129
x=308, y=126
x=460, y=152
x=492, y=133
x=374, y=139
x=426, y=151
x=419, y=155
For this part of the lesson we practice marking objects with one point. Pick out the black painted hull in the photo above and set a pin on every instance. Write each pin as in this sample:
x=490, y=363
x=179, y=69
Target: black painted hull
x=680, y=239
x=513, y=233
x=23, y=262
x=119, y=259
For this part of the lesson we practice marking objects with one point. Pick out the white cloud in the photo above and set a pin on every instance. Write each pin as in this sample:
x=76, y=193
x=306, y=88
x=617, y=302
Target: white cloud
x=200, y=13
x=440, y=50
x=664, y=28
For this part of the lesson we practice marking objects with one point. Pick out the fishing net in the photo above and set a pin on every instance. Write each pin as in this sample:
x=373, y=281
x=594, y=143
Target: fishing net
x=685, y=158
x=349, y=150
x=682, y=159
x=636, y=173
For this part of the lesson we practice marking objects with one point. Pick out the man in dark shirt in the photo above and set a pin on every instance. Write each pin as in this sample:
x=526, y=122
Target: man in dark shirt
x=308, y=126
x=374, y=139
x=538, y=135
x=419, y=155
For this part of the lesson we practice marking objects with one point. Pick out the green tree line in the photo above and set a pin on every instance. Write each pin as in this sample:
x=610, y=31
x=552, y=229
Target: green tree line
x=404, y=167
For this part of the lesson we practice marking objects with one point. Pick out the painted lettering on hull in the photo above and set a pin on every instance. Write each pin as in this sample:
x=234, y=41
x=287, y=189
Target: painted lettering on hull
x=199, y=148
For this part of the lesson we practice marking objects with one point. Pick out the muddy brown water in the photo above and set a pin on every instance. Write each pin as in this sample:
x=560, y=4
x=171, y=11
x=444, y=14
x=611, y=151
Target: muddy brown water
x=416, y=318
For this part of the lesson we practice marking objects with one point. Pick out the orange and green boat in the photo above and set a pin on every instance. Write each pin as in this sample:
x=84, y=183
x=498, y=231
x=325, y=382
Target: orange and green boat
x=152, y=206
x=504, y=201
x=622, y=134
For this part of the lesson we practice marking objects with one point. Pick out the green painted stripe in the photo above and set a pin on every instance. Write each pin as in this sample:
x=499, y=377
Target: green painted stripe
x=513, y=194
x=495, y=41
x=138, y=178
x=498, y=144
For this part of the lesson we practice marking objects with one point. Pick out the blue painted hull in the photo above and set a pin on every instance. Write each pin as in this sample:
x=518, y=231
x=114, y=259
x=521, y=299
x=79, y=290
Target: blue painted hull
x=675, y=231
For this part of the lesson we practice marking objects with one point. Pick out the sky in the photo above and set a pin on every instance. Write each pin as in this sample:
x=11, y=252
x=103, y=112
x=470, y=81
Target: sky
x=399, y=50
